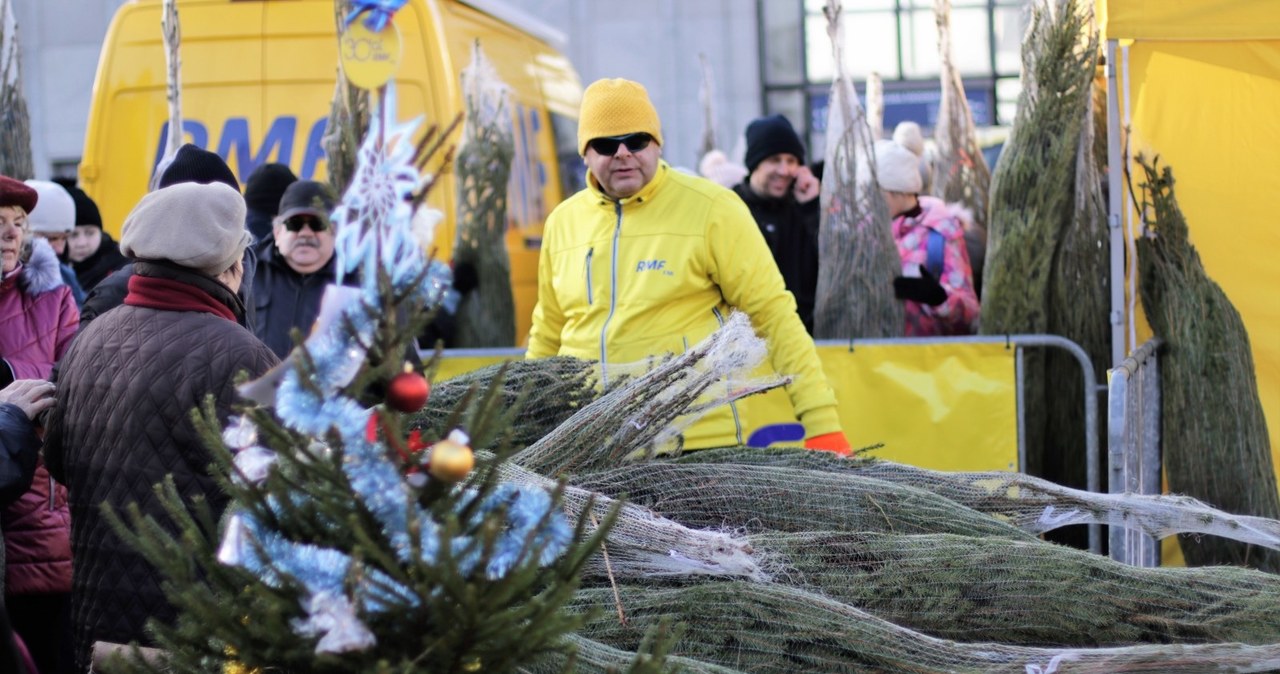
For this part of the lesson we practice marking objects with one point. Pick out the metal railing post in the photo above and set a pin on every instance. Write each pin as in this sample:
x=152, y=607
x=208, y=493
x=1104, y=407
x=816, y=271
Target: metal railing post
x=1133, y=445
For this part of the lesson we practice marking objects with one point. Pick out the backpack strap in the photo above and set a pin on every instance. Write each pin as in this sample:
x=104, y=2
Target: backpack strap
x=935, y=248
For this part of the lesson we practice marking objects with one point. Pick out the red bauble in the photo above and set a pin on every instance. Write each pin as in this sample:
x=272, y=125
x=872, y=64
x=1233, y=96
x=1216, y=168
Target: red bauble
x=408, y=392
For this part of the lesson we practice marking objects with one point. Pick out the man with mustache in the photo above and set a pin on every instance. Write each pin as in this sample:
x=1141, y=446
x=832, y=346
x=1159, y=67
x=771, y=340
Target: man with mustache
x=294, y=265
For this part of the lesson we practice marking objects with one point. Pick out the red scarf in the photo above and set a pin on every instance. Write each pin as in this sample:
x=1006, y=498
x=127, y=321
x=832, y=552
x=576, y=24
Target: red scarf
x=163, y=293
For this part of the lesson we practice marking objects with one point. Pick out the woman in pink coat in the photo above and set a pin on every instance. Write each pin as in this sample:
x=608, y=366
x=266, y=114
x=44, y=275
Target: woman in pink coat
x=39, y=318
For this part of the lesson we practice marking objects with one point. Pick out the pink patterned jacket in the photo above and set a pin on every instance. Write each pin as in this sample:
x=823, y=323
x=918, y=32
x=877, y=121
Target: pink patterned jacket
x=959, y=314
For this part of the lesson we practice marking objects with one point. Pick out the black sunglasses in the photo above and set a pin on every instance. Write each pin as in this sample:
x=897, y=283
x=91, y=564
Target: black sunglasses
x=608, y=147
x=297, y=222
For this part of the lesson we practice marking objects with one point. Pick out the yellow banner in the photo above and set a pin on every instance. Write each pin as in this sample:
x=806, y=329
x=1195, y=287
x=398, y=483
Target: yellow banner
x=1190, y=19
x=938, y=406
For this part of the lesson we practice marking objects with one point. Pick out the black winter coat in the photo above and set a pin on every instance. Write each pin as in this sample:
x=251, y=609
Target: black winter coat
x=121, y=424
x=110, y=293
x=791, y=230
x=259, y=224
x=284, y=299
x=19, y=448
x=93, y=269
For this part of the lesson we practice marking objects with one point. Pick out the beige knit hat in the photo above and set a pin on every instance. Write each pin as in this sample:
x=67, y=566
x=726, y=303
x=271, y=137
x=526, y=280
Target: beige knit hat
x=616, y=107
x=194, y=225
x=897, y=168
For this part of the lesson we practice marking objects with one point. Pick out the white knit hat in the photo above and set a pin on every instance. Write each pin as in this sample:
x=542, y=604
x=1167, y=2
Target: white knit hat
x=55, y=211
x=195, y=225
x=897, y=168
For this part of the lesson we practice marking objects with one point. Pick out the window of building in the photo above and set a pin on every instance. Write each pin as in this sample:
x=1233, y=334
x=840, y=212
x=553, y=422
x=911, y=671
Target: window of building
x=898, y=40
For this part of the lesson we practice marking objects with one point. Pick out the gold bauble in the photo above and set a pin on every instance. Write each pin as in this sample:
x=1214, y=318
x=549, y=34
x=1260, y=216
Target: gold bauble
x=451, y=461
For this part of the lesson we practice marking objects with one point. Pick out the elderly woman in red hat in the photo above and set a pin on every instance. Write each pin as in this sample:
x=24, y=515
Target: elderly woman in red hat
x=36, y=308
x=39, y=318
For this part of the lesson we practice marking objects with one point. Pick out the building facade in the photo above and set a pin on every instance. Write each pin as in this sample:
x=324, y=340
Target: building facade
x=759, y=56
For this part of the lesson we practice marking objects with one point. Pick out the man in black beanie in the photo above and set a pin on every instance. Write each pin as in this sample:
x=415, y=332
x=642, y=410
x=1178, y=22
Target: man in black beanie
x=190, y=164
x=262, y=193
x=782, y=195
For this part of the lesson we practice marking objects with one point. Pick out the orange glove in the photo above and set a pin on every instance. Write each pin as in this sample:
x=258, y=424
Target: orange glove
x=830, y=442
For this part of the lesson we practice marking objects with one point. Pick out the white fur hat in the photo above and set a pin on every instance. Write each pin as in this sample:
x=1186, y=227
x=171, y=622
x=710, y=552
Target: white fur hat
x=897, y=168
x=55, y=211
x=715, y=166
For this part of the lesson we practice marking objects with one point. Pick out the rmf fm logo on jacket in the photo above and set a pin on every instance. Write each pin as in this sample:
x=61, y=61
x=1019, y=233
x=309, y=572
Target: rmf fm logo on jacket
x=654, y=265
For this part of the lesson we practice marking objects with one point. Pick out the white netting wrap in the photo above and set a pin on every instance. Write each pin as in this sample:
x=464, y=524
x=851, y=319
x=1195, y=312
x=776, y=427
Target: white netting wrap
x=787, y=560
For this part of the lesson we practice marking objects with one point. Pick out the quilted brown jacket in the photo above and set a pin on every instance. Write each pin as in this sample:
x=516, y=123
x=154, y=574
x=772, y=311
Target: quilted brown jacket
x=122, y=423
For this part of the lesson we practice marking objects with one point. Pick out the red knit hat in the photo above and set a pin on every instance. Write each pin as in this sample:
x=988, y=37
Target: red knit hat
x=17, y=193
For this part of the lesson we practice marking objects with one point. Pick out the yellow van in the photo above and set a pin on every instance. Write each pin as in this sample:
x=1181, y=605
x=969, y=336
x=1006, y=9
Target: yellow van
x=258, y=78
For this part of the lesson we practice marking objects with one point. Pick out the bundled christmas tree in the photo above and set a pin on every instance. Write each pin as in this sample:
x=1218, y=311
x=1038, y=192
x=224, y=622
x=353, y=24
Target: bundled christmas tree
x=857, y=254
x=1042, y=273
x=15, y=123
x=1214, y=431
x=487, y=313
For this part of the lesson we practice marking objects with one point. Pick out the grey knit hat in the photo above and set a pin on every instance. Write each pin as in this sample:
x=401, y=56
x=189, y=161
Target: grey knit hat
x=194, y=225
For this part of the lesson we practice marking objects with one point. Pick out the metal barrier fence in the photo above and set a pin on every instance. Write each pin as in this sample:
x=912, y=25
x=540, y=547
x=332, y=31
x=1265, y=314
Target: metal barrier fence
x=1093, y=458
x=1133, y=445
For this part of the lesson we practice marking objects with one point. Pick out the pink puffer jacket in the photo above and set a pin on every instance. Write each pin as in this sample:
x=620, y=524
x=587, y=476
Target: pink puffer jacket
x=37, y=539
x=39, y=318
x=38, y=313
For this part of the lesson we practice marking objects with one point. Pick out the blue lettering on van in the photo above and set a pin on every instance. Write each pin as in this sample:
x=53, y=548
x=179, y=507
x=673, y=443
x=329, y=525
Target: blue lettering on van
x=314, y=151
x=235, y=139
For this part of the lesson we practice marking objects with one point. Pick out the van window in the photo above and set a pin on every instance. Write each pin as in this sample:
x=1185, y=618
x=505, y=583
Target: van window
x=573, y=173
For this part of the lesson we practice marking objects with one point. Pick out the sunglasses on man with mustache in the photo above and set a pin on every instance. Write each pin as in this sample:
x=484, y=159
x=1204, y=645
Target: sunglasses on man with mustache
x=297, y=222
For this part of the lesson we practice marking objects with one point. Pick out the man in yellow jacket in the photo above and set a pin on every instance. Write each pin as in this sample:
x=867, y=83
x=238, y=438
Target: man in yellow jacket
x=648, y=260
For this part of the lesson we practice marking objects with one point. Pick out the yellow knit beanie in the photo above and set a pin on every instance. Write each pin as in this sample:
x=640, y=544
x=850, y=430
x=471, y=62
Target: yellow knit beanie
x=616, y=107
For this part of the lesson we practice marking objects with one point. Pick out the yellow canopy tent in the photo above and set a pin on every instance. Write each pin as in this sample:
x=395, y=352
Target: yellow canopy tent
x=1198, y=83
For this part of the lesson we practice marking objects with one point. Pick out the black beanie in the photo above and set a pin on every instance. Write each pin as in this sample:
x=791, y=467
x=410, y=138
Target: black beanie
x=265, y=186
x=194, y=165
x=768, y=136
x=86, y=210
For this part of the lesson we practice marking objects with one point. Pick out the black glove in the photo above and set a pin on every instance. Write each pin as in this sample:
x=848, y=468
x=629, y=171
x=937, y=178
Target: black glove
x=465, y=277
x=6, y=373
x=925, y=290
